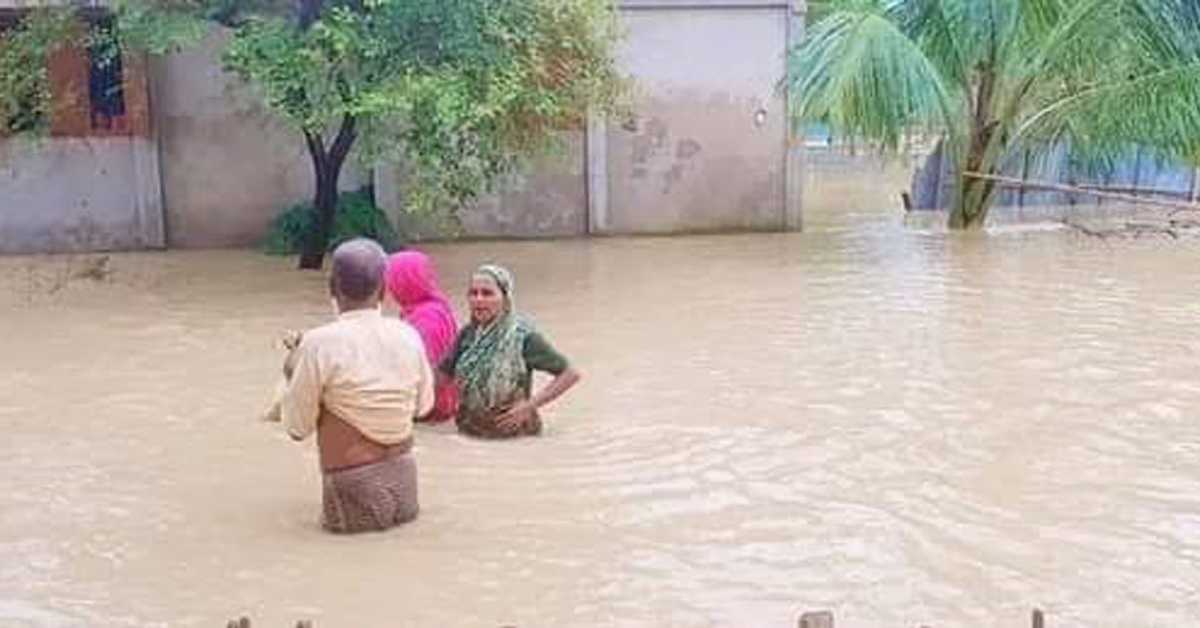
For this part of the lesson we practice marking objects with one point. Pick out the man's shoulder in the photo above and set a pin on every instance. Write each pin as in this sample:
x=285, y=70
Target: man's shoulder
x=322, y=333
x=403, y=330
x=341, y=331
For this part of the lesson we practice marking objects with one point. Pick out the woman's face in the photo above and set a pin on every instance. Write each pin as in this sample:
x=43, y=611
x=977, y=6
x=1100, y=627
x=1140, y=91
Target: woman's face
x=485, y=299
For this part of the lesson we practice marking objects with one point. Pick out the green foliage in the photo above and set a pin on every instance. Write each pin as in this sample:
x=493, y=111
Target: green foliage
x=998, y=76
x=157, y=26
x=356, y=216
x=25, y=98
x=154, y=26
x=456, y=89
x=1158, y=107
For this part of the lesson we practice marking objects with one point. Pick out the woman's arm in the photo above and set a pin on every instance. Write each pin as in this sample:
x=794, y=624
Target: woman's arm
x=557, y=386
x=523, y=412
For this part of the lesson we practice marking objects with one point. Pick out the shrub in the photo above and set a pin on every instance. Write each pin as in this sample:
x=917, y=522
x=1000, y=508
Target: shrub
x=357, y=216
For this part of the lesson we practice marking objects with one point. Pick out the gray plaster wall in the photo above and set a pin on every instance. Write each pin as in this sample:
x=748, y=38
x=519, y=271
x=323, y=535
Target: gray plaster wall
x=79, y=194
x=707, y=147
x=229, y=165
x=548, y=198
x=706, y=150
x=842, y=186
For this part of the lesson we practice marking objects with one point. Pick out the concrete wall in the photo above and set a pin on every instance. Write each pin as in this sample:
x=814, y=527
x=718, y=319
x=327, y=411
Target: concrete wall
x=707, y=148
x=89, y=186
x=549, y=198
x=841, y=186
x=229, y=166
x=79, y=194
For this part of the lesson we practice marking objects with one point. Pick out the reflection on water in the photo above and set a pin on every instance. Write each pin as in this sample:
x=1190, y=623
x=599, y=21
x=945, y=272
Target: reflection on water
x=904, y=428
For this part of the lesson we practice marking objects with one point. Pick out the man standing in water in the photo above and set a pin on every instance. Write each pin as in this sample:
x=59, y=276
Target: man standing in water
x=358, y=382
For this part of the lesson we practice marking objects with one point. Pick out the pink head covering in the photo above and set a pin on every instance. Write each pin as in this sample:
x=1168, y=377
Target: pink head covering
x=412, y=282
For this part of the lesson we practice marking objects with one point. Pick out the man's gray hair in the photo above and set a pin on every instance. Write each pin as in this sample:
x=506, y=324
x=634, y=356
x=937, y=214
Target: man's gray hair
x=358, y=268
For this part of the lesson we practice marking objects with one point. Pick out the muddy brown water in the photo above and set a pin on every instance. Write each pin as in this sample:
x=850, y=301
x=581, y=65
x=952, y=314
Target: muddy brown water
x=903, y=427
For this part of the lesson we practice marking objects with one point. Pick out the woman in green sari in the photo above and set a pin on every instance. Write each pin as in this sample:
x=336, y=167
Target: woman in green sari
x=493, y=361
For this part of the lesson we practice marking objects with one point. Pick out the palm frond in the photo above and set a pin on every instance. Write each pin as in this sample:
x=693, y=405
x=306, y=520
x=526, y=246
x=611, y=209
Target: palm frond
x=859, y=73
x=1150, y=97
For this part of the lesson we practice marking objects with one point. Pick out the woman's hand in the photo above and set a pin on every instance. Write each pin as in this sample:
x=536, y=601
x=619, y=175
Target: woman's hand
x=516, y=417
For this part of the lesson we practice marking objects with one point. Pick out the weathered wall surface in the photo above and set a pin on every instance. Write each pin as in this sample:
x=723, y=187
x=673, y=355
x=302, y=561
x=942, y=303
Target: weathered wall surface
x=79, y=194
x=94, y=184
x=547, y=199
x=839, y=184
x=229, y=166
x=706, y=150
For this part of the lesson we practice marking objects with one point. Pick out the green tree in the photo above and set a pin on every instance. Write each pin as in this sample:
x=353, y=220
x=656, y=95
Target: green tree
x=141, y=26
x=459, y=89
x=25, y=51
x=1158, y=106
x=996, y=76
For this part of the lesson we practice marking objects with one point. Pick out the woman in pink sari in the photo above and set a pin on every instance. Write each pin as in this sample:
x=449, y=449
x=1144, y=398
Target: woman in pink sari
x=412, y=284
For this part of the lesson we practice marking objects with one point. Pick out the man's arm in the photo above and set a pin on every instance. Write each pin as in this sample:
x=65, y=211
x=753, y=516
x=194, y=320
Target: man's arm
x=302, y=402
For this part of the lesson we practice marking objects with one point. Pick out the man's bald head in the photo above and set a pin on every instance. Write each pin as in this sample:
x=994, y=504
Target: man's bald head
x=357, y=274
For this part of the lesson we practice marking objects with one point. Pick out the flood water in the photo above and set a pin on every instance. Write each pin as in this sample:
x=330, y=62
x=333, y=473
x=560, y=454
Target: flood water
x=905, y=428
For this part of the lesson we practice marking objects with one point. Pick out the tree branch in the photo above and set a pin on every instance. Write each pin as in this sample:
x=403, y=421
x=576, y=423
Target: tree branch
x=316, y=150
x=1072, y=189
x=346, y=135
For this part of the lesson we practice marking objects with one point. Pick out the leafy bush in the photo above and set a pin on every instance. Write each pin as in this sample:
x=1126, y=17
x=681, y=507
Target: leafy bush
x=357, y=216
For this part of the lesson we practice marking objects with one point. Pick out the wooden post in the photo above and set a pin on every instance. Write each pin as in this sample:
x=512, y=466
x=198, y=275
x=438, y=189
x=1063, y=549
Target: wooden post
x=596, y=147
x=1039, y=619
x=1137, y=171
x=796, y=154
x=817, y=619
x=1024, y=177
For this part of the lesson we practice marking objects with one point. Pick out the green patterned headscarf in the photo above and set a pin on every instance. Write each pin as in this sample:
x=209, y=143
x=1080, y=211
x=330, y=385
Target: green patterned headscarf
x=491, y=368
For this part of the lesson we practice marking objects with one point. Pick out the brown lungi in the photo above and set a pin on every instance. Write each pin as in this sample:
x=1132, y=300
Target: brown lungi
x=374, y=496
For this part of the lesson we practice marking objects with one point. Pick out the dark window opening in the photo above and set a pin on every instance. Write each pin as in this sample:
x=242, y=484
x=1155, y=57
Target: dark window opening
x=86, y=79
x=106, y=78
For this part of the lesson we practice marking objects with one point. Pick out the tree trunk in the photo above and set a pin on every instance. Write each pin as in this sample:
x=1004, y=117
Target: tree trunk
x=971, y=208
x=975, y=195
x=327, y=167
x=325, y=203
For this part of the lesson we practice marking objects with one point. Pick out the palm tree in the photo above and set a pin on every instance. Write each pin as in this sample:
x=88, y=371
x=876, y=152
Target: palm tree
x=1158, y=106
x=996, y=76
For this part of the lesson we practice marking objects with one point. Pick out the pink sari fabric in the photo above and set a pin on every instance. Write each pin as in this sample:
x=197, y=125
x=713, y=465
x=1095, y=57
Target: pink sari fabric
x=412, y=282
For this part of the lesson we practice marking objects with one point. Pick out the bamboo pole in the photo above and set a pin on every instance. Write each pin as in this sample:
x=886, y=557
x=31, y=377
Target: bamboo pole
x=1058, y=187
